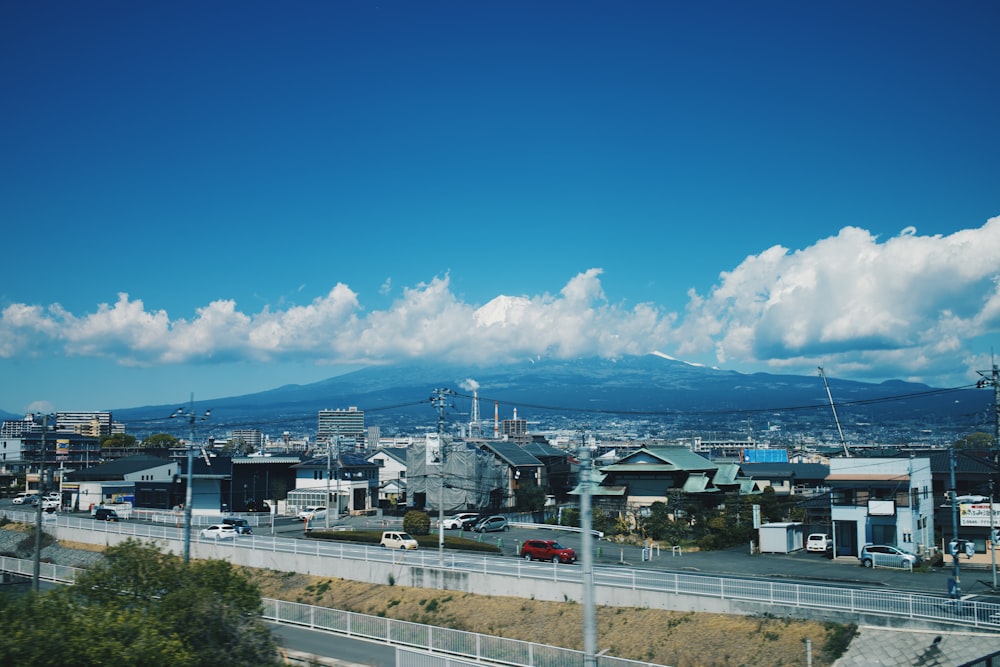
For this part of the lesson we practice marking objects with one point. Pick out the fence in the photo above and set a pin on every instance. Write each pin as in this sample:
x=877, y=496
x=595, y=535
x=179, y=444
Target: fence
x=450, y=643
x=890, y=606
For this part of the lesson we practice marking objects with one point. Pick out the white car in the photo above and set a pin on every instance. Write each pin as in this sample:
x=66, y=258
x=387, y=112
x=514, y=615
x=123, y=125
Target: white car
x=392, y=539
x=455, y=521
x=219, y=531
x=312, y=513
x=819, y=542
x=23, y=499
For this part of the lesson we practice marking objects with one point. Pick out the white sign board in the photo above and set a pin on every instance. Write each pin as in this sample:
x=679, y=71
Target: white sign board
x=978, y=514
x=432, y=443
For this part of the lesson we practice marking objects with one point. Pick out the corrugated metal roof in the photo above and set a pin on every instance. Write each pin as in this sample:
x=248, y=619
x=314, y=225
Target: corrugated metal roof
x=117, y=469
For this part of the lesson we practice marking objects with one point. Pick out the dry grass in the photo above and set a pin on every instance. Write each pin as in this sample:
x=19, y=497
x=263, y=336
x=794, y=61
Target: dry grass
x=667, y=638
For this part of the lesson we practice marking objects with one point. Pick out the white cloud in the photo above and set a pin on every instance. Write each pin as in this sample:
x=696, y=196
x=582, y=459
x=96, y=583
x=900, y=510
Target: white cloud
x=904, y=307
x=892, y=308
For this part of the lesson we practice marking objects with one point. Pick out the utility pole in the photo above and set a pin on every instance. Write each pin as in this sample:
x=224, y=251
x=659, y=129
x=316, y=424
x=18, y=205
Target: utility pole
x=833, y=406
x=36, y=575
x=586, y=560
x=956, y=588
x=329, y=474
x=992, y=379
x=438, y=401
x=993, y=541
x=188, y=491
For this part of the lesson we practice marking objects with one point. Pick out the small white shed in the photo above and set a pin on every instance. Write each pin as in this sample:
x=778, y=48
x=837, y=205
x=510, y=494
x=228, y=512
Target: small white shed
x=781, y=538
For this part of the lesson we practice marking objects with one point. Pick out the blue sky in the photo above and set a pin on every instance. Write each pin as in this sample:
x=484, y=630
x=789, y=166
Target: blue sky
x=227, y=197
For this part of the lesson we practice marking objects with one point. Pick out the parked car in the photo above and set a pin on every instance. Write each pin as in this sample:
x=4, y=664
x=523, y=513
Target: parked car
x=50, y=504
x=887, y=555
x=312, y=513
x=470, y=523
x=397, y=540
x=104, y=514
x=547, y=550
x=456, y=521
x=242, y=526
x=52, y=495
x=25, y=499
x=819, y=542
x=492, y=524
x=220, y=531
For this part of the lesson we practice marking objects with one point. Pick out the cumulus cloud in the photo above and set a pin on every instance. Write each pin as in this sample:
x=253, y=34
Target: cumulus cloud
x=891, y=308
x=427, y=321
x=881, y=308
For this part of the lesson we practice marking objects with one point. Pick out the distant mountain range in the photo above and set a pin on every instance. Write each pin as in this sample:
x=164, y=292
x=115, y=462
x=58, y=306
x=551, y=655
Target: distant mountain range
x=653, y=393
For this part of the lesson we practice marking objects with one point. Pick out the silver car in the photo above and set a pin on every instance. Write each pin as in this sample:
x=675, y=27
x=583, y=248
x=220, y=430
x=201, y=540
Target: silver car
x=492, y=524
x=219, y=531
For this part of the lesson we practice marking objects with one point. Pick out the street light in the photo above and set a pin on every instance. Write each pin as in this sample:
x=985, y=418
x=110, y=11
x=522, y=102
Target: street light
x=192, y=418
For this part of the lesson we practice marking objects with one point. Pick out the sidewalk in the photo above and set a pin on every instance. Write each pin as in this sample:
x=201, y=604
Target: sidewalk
x=887, y=647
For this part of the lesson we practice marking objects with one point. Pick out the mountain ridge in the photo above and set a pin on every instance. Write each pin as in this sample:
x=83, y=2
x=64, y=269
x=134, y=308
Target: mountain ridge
x=649, y=387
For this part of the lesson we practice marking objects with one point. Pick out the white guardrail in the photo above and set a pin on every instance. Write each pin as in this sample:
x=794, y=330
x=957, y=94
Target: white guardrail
x=886, y=604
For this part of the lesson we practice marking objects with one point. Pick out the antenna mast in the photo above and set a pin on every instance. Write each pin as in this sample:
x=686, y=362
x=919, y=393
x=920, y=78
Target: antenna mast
x=833, y=407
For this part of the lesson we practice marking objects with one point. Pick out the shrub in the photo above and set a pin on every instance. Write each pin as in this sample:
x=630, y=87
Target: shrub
x=416, y=522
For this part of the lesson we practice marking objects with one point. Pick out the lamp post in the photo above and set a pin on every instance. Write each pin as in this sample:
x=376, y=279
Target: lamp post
x=36, y=574
x=188, y=495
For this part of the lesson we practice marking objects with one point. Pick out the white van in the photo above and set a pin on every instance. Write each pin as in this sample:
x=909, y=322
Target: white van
x=392, y=539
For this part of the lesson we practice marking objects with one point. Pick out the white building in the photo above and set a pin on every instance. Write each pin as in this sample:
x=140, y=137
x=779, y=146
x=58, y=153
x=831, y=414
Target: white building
x=881, y=501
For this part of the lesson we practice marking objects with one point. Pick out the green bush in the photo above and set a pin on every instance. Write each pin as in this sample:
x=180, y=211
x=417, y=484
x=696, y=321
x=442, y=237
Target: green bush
x=417, y=523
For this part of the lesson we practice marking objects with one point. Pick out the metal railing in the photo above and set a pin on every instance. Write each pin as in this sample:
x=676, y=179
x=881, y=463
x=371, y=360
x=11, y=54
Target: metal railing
x=459, y=643
x=872, y=602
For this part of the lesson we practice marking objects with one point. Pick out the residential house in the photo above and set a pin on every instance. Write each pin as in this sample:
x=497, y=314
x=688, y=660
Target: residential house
x=344, y=483
x=654, y=474
x=788, y=479
x=881, y=501
x=391, y=462
x=557, y=476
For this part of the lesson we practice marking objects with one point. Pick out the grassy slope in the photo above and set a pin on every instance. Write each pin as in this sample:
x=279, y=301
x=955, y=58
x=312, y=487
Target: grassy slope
x=663, y=637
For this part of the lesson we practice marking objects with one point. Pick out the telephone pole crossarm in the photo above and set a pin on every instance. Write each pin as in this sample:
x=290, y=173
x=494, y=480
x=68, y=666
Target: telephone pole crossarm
x=991, y=378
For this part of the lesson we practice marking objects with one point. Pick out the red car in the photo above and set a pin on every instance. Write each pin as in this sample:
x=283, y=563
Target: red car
x=547, y=550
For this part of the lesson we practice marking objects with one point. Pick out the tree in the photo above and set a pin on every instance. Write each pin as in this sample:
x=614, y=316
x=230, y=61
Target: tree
x=977, y=440
x=160, y=441
x=118, y=441
x=141, y=607
x=530, y=497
